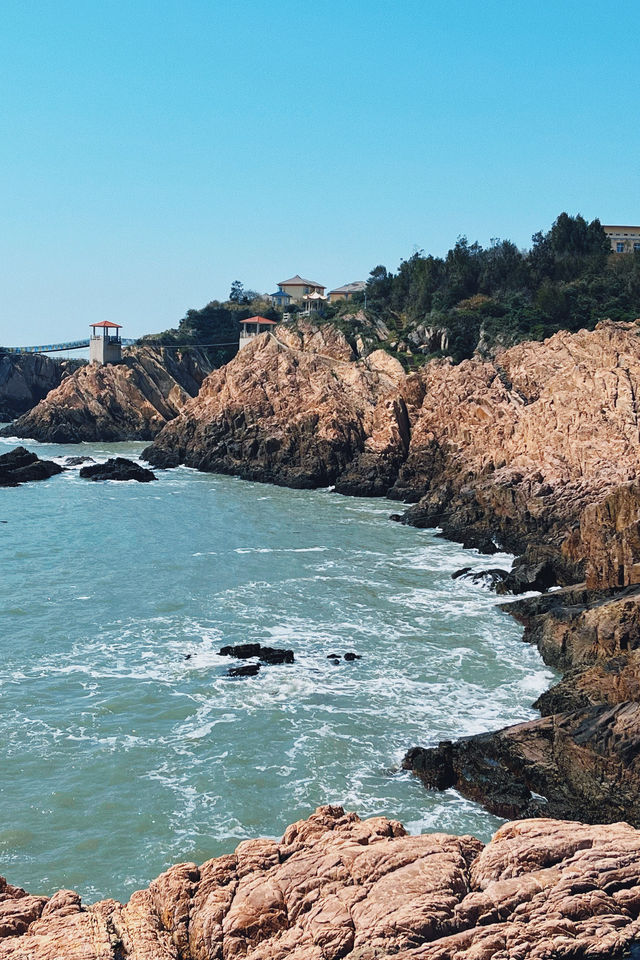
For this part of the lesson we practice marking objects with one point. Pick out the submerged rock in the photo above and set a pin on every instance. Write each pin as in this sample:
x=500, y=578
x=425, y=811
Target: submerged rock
x=337, y=887
x=247, y=670
x=117, y=468
x=20, y=466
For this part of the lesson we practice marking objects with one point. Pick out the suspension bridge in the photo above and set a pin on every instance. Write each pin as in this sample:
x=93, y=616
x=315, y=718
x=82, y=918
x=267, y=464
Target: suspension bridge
x=59, y=347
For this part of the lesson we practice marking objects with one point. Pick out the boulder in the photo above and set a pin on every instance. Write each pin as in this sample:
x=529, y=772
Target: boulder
x=20, y=466
x=117, y=468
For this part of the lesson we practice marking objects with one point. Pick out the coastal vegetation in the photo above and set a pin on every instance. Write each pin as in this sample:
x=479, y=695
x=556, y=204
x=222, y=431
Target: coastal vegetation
x=478, y=298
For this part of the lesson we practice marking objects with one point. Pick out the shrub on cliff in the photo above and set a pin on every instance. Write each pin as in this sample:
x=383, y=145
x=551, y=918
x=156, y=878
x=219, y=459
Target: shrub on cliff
x=484, y=297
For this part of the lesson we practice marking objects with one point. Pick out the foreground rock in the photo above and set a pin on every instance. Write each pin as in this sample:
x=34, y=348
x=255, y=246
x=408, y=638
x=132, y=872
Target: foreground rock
x=294, y=410
x=131, y=400
x=27, y=378
x=336, y=887
x=117, y=468
x=21, y=466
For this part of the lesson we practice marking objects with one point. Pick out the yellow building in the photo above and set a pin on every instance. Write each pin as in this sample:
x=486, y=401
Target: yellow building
x=297, y=288
x=623, y=239
x=347, y=291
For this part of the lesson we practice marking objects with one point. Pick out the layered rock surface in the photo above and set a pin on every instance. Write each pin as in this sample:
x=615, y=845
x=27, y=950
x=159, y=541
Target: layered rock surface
x=336, y=887
x=131, y=400
x=25, y=379
x=509, y=451
x=293, y=409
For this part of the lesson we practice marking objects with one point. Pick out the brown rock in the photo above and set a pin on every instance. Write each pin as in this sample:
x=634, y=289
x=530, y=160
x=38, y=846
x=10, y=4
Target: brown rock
x=131, y=400
x=293, y=410
x=338, y=887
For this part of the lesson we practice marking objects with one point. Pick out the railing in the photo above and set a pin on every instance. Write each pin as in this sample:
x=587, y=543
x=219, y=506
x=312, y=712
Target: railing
x=58, y=347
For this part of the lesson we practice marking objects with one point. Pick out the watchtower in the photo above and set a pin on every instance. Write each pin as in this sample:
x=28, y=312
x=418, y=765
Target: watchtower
x=105, y=346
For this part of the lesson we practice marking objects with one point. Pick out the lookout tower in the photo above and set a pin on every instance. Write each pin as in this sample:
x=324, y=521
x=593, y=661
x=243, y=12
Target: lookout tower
x=105, y=345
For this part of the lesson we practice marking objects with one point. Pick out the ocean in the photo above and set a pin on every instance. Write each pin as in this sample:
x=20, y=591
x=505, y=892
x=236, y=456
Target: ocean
x=125, y=746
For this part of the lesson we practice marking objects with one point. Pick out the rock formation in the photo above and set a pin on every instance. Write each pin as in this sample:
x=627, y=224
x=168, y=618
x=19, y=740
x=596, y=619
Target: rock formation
x=131, y=400
x=293, y=410
x=27, y=378
x=338, y=887
x=20, y=465
x=117, y=468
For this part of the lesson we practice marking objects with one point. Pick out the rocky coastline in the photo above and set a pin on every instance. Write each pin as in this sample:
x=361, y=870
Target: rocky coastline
x=535, y=452
x=337, y=887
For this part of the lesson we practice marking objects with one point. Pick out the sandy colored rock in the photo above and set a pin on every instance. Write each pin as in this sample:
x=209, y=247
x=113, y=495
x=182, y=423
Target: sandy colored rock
x=293, y=409
x=131, y=400
x=336, y=886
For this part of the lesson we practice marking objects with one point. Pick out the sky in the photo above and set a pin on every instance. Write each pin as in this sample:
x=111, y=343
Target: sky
x=155, y=151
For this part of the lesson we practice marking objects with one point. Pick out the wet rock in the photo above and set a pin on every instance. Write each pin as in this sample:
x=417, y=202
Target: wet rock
x=241, y=651
x=269, y=655
x=21, y=466
x=274, y=656
x=349, y=657
x=491, y=578
x=247, y=670
x=117, y=468
x=337, y=887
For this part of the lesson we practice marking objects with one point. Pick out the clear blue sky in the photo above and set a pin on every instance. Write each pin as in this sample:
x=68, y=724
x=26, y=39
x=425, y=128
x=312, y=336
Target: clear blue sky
x=154, y=151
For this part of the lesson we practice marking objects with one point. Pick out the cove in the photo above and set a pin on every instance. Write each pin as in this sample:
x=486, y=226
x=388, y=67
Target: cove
x=126, y=747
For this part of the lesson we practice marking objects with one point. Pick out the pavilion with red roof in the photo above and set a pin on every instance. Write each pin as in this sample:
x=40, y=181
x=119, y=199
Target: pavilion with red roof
x=252, y=326
x=105, y=345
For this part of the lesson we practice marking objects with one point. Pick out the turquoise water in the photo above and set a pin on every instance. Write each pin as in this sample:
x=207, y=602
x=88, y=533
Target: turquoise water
x=119, y=756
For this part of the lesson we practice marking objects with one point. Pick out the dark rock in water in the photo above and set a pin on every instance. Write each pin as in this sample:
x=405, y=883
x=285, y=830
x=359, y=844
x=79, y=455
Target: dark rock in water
x=187, y=656
x=247, y=670
x=21, y=466
x=397, y=518
x=491, y=577
x=274, y=657
x=333, y=656
x=77, y=461
x=117, y=468
x=349, y=657
x=241, y=650
x=269, y=655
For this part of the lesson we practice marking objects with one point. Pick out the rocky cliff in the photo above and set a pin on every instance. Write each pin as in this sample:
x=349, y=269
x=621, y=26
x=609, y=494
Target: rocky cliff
x=25, y=379
x=132, y=400
x=293, y=409
x=337, y=887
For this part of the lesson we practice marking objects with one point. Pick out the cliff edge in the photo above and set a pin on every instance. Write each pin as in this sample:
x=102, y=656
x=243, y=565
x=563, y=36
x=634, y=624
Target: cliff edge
x=338, y=887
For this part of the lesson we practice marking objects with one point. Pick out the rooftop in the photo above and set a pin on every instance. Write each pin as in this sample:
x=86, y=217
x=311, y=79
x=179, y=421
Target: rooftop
x=355, y=287
x=298, y=281
x=106, y=323
x=258, y=320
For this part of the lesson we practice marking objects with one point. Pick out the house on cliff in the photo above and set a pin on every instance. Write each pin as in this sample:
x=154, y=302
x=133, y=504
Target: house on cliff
x=623, y=239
